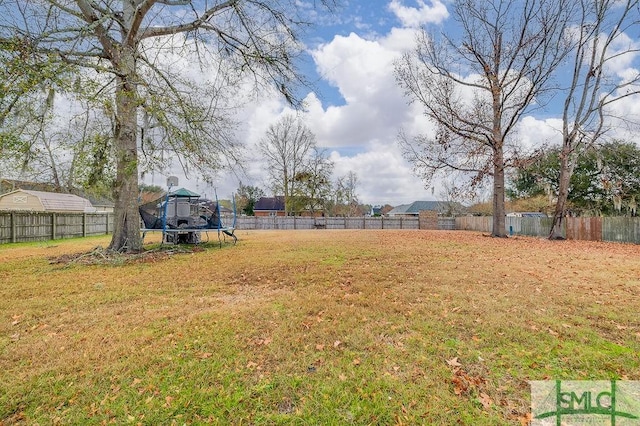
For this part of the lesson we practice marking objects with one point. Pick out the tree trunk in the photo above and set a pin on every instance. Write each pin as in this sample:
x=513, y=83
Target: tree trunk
x=566, y=170
x=499, y=224
x=126, y=231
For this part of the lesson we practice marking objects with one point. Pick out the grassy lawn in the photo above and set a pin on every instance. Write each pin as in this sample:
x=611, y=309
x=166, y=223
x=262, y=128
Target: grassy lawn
x=312, y=327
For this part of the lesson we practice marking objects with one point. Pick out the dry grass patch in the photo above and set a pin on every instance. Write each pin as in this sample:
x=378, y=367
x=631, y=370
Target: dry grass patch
x=321, y=327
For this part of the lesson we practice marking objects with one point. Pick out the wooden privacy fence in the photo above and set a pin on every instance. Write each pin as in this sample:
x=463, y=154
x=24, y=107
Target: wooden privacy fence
x=301, y=222
x=532, y=226
x=298, y=222
x=614, y=229
x=31, y=226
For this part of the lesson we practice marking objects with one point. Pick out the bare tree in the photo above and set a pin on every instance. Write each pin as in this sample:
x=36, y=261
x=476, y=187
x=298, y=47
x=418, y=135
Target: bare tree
x=346, y=194
x=285, y=149
x=313, y=184
x=476, y=87
x=600, y=40
x=131, y=46
x=452, y=197
x=246, y=198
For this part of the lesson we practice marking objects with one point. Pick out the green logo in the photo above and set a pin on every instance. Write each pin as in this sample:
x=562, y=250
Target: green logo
x=573, y=402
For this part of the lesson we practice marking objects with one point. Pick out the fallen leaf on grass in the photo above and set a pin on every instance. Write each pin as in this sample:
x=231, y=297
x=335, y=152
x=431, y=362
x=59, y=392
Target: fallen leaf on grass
x=262, y=342
x=453, y=362
x=356, y=361
x=459, y=386
x=485, y=400
x=463, y=383
x=526, y=419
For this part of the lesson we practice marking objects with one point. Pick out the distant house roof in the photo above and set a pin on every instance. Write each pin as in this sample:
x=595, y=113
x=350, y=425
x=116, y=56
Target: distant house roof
x=50, y=201
x=269, y=204
x=401, y=209
x=150, y=197
x=211, y=205
x=417, y=206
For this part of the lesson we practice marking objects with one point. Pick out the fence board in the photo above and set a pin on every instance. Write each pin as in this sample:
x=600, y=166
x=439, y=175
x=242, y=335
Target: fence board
x=621, y=229
x=535, y=226
x=474, y=223
x=374, y=223
x=447, y=223
x=584, y=228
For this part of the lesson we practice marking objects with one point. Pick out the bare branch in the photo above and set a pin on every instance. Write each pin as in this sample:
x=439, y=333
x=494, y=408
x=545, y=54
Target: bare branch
x=189, y=26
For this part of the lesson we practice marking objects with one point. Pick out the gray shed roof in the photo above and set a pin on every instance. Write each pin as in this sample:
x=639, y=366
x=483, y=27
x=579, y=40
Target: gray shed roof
x=54, y=201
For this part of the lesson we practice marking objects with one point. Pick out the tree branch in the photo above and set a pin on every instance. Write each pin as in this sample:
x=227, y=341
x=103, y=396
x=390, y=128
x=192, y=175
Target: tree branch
x=190, y=26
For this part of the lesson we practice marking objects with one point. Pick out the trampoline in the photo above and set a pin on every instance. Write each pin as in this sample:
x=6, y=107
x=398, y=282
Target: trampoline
x=183, y=217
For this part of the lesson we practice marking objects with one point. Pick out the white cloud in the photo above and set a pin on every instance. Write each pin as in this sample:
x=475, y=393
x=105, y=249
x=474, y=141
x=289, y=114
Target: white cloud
x=532, y=132
x=623, y=57
x=362, y=70
x=383, y=176
x=413, y=17
x=362, y=133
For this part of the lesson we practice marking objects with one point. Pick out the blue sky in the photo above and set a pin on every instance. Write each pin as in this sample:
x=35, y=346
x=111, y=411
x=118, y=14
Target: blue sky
x=356, y=109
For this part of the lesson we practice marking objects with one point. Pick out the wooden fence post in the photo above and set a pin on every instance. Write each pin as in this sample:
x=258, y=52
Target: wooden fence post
x=84, y=224
x=14, y=235
x=54, y=226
